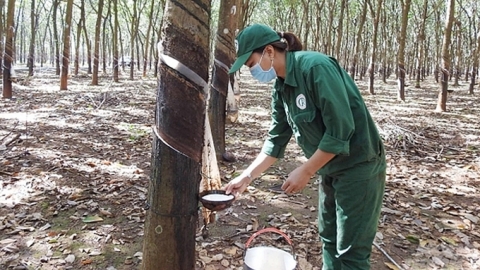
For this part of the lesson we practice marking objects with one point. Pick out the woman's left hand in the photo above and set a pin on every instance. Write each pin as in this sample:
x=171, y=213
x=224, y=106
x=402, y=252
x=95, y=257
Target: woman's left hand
x=296, y=181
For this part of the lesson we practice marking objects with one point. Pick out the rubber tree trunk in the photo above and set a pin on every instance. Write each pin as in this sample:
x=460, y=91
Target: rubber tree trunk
x=224, y=57
x=458, y=52
x=87, y=41
x=105, y=35
x=33, y=26
x=115, y=40
x=358, y=41
x=96, y=45
x=445, y=67
x=476, y=60
x=401, y=50
x=172, y=200
x=338, y=44
x=376, y=15
x=421, y=46
x=147, y=38
x=2, y=32
x=56, y=41
x=133, y=36
x=76, y=63
x=8, y=55
x=66, y=46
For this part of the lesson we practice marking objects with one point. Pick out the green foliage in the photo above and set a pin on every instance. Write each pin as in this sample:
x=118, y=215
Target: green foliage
x=136, y=132
x=316, y=23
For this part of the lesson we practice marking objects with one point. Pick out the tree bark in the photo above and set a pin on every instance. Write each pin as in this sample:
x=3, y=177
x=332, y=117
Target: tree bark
x=445, y=65
x=247, y=8
x=385, y=47
x=401, y=50
x=421, y=41
x=133, y=35
x=77, y=44
x=338, y=44
x=147, y=38
x=358, y=41
x=87, y=42
x=376, y=15
x=224, y=57
x=66, y=46
x=327, y=48
x=96, y=50
x=9, y=50
x=33, y=27
x=56, y=41
x=308, y=23
x=475, y=64
x=2, y=33
x=105, y=43
x=115, y=41
x=458, y=52
x=171, y=220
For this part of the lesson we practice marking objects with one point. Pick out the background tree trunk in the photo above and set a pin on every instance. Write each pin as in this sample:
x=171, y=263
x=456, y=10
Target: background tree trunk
x=171, y=221
x=401, y=50
x=358, y=41
x=77, y=44
x=9, y=50
x=87, y=41
x=247, y=8
x=458, y=52
x=224, y=57
x=421, y=46
x=96, y=50
x=115, y=41
x=338, y=44
x=445, y=66
x=56, y=41
x=385, y=48
x=476, y=60
x=105, y=39
x=132, y=39
x=2, y=32
x=33, y=27
x=376, y=18
x=147, y=38
x=66, y=46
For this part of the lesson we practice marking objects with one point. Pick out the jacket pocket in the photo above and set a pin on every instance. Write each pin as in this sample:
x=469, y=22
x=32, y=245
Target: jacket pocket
x=303, y=117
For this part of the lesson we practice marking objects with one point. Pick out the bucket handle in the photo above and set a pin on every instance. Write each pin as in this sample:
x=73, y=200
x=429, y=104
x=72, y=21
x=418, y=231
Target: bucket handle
x=271, y=229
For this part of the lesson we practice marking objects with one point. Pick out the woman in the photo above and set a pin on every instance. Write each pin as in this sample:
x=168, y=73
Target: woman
x=315, y=100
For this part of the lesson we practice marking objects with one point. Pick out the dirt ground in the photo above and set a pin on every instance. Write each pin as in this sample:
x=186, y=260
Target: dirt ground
x=75, y=165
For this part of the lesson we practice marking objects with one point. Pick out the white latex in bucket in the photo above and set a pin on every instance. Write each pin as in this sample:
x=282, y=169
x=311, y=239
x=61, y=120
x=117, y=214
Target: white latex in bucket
x=268, y=258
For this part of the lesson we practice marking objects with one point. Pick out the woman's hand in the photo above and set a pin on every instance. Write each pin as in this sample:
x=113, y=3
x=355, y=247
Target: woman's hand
x=297, y=180
x=237, y=185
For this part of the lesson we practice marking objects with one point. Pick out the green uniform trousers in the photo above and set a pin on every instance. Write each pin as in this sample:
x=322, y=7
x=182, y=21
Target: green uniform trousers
x=349, y=209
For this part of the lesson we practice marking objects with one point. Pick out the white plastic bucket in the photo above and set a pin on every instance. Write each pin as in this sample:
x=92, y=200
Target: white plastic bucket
x=268, y=258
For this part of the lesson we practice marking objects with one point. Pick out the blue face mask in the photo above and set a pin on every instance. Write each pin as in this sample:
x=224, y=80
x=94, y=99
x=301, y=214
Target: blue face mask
x=261, y=75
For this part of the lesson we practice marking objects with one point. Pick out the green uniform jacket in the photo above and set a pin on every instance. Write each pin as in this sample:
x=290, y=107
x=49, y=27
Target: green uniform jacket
x=320, y=104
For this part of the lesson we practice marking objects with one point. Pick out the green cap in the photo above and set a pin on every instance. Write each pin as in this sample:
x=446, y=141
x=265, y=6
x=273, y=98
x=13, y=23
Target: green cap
x=249, y=39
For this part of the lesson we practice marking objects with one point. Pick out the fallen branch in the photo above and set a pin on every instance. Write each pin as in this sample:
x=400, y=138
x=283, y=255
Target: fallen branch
x=388, y=256
x=24, y=153
x=12, y=140
x=290, y=201
x=8, y=134
x=240, y=233
x=104, y=97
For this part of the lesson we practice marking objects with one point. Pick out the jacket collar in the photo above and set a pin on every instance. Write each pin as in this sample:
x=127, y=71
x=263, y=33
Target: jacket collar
x=290, y=78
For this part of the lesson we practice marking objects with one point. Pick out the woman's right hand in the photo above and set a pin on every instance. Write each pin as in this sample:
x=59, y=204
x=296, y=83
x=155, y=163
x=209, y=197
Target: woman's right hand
x=237, y=185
